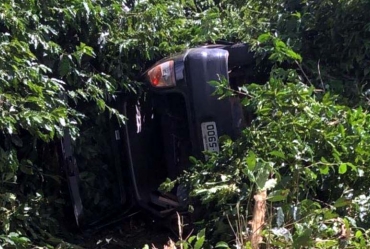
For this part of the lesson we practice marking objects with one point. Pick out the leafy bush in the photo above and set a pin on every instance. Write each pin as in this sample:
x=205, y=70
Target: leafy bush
x=62, y=62
x=61, y=65
x=308, y=152
x=308, y=143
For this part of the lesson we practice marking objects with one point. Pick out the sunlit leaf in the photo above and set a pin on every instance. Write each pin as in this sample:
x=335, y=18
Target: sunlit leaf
x=251, y=160
x=342, y=168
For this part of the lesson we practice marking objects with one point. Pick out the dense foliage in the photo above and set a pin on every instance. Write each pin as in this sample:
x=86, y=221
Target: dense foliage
x=308, y=150
x=308, y=143
x=63, y=62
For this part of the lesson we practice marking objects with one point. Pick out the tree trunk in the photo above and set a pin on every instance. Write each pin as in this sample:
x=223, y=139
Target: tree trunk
x=258, y=219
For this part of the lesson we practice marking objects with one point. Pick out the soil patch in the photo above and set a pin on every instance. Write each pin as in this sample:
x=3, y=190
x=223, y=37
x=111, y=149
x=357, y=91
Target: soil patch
x=132, y=233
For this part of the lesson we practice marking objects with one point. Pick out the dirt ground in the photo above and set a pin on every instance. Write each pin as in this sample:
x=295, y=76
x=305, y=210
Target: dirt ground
x=132, y=233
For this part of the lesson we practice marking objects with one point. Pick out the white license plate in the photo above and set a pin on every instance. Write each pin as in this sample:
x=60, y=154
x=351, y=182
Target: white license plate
x=210, y=137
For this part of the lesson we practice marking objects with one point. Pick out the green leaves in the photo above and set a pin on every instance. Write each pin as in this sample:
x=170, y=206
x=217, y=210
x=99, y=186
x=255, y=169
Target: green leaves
x=342, y=168
x=304, y=138
x=264, y=38
x=278, y=195
x=262, y=176
x=194, y=241
x=222, y=244
x=282, y=52
x=200, y=239
x=14, y=240
x=82, y=50
x=64, y=65
x=307, y=145
x=251, y=160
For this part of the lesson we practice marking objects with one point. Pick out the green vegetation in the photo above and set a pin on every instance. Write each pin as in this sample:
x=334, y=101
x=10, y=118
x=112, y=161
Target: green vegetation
x=307, y=146
x=62, y=62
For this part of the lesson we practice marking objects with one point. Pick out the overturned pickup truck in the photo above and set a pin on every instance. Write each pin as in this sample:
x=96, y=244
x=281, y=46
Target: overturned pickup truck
x=176, y=117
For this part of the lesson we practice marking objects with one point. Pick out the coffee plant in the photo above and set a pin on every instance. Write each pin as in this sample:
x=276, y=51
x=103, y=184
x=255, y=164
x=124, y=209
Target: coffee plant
x=63, y=63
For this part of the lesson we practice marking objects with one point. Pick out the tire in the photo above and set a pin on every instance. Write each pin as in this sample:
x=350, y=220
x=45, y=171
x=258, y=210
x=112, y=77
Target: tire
x=239, y=55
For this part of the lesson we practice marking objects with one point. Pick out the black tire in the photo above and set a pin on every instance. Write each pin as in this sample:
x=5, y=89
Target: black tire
x=239, y=55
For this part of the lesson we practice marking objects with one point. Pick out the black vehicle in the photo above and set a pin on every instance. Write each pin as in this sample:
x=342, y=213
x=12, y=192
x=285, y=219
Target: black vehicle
x=177, y=116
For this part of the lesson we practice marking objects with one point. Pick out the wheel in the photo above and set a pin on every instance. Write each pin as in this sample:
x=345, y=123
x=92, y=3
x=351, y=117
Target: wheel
x=239, y=55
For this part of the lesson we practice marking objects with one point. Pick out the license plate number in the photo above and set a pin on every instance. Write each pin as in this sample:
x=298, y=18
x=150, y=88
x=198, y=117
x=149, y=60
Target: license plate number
x=210, y=137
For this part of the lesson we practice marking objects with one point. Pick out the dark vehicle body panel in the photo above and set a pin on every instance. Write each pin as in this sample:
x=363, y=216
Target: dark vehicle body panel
x=152, y=151
x=164, y=128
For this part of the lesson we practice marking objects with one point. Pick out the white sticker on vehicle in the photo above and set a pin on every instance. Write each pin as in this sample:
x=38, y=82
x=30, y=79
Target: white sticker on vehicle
x=210, y=137
x=117, y=134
